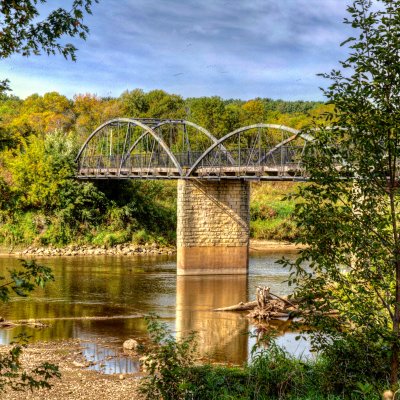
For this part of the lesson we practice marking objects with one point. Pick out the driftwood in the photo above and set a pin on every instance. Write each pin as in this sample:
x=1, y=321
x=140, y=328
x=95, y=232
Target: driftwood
x=27, y=322
x=267, y=306
x=34, y=323
x=239, y=307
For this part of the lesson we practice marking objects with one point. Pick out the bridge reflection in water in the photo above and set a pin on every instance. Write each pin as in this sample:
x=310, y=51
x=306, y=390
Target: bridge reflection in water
x=224, y=336
x=221, y=338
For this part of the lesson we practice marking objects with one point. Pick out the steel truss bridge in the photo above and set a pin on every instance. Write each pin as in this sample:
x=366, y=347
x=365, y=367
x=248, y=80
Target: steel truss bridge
x=151, y=148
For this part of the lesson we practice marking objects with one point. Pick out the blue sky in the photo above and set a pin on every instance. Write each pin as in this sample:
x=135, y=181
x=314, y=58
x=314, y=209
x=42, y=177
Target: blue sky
x=229, y=48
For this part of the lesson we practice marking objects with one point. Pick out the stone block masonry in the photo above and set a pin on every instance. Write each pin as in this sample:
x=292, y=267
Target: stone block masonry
x=213, y=227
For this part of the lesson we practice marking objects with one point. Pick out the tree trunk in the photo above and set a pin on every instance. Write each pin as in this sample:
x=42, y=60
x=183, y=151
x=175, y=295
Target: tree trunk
x=394, y=362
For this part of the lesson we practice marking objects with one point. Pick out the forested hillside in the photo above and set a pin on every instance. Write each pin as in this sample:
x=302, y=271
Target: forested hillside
x=41, y=203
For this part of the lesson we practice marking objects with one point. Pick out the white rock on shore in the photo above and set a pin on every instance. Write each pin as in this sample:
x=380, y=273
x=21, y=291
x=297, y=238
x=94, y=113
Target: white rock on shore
x=120, y=249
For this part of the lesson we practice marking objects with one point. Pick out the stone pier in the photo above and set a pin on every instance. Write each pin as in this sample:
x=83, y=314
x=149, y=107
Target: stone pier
x=213, y=227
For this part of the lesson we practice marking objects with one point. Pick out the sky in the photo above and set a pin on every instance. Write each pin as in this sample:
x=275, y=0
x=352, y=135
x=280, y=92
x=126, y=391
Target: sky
x=227, y=48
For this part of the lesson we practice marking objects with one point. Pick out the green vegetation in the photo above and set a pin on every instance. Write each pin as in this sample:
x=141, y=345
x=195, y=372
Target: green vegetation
x=348, y=275
x=12, y=375
x=41, y=203
x=342, y=372
x=271, y=212
x=350, y=227
x=24, y=31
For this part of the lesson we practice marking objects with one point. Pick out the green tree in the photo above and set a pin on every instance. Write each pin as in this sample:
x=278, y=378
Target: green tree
x=134, y=103
x=42, y=114
x=24, y=33
x=164, y=105
x=9, y=109
x=12, y=375
x=208, y=112
x=349, y=213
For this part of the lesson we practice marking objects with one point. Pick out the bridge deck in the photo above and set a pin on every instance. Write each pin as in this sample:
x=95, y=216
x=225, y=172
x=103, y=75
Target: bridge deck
x=287, y=172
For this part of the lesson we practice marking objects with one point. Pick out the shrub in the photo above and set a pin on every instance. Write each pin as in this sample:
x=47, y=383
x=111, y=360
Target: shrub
x=141, y=237
x=168, y=361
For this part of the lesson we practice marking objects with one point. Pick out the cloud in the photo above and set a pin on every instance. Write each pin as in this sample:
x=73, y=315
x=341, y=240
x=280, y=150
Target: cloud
x=259, y=48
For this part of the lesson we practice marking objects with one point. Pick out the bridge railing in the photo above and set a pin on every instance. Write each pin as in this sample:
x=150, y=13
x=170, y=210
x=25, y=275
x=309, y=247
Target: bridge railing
x=238, y=162
x=283, y=158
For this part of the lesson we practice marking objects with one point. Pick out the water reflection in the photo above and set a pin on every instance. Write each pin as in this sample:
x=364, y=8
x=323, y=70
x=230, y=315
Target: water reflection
x=108, y=360
x=221, y=337
x=131, y=286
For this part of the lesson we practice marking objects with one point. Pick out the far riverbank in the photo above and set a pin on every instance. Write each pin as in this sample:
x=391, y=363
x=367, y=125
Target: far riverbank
x=130, y=249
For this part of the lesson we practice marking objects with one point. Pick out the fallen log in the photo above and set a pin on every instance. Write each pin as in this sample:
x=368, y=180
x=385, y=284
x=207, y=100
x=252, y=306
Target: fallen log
x=29, y=322
x=239, y=307
x=267, y=306
x=43, y=321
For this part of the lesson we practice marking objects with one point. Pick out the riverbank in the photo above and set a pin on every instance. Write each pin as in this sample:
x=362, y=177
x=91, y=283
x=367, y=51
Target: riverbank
x=266, y=246
x=131, y=249
x=89, y=250
x=77, y=382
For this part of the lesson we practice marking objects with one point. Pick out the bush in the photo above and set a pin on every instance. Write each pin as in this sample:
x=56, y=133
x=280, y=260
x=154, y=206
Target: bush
x=141, y=237
x=348, y=370
x=168, y=361
x=351, y=362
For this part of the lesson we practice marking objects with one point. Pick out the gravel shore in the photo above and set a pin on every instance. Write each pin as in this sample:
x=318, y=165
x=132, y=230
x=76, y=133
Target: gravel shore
x=132, y=249
x=89, y=250
x=77, y=382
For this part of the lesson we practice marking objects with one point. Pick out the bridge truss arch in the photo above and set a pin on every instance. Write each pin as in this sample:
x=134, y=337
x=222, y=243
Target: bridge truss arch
x=150, y=148
x=262, y=151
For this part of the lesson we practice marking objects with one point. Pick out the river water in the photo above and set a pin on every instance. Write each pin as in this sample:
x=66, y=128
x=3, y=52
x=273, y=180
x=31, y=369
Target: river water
x=126, y=287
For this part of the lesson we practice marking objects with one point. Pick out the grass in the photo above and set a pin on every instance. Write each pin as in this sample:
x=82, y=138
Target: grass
x=270, y=213
x=272, y=374
x=151, y=222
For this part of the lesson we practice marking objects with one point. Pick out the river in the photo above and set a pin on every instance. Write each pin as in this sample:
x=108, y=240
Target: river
x=127, y=287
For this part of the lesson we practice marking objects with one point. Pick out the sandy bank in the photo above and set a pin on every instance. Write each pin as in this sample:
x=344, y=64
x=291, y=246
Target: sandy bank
x=77, y=382
x=272, y=246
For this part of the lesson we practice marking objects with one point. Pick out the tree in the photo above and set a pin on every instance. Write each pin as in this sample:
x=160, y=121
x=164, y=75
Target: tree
x=349, y=212
x=21, y=32
x=134, y=103
x=21, y=282
x=91, y=111
x=42, y=114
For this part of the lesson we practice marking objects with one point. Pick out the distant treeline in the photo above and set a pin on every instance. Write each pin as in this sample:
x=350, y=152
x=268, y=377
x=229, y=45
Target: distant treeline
x=38, y=115
x=41, y=204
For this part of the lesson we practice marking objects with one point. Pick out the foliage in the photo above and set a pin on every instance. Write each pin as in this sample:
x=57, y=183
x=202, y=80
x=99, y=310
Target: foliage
x=167, y=360
x=24, y=281
x=22, y=33
x=12, y=375
x=270, y=213
x=40, y=169
x=348, y=214
x=271, y=374
x=40, y=204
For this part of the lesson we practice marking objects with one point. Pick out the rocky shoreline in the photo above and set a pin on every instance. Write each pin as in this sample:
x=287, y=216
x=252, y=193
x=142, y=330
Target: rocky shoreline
x=77, y=381
x=89, y=250
x=129, y=249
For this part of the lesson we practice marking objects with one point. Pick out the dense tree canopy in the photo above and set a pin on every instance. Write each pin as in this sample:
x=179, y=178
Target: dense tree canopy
x=349, y=213
x=41, y=204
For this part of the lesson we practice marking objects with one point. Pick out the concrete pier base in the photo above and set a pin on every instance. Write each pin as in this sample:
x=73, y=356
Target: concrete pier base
x=213, y=227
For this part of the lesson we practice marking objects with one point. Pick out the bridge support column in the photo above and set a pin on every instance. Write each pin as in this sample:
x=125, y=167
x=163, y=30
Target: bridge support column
x=213, y=227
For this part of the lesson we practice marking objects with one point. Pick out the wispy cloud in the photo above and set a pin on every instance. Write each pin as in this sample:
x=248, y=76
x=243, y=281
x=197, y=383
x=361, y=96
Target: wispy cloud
x=229, y=48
